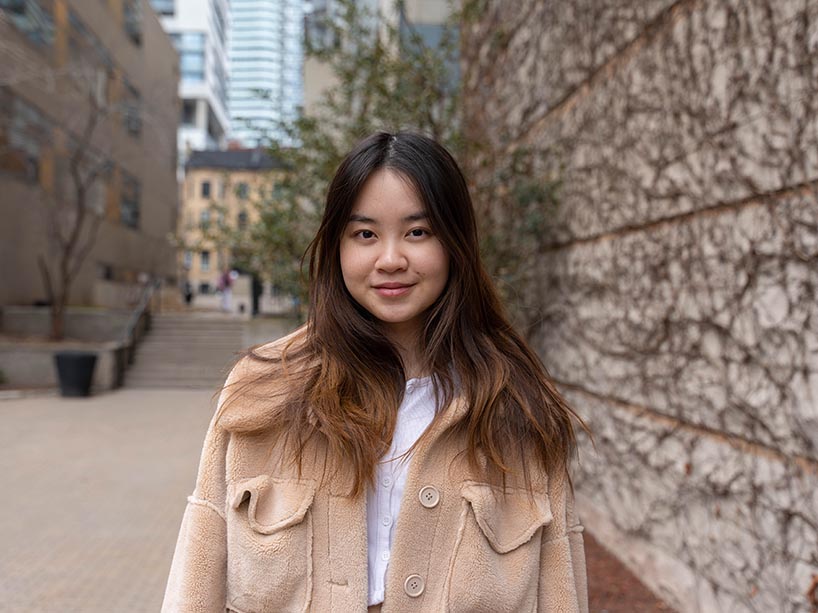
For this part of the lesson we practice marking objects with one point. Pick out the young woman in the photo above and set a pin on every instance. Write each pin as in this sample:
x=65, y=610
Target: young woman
x=404, y=450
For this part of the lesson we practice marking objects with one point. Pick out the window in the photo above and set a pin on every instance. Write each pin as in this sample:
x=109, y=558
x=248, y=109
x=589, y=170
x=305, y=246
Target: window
x=132, y=22
x=34, y=18
x=242, y=191
x=188, y=112
x=220, y=81
x=129, y=201
x=131, y=109
x=214, y=128
x=192, y=64
x=205, y=263
x=90, y=58
x=94, y=171
x=164, y=7
x=83, y=45
x=188, y=259
x=221, y=27
x=242, y=220
x=105, y=271
x=204, y=288
x=205, y=189
x=191, y=48
x=23, y=133
x=204, y=219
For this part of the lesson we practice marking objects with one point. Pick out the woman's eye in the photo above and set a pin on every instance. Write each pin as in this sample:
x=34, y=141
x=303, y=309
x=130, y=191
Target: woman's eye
x=366, y=233
x=418, y=232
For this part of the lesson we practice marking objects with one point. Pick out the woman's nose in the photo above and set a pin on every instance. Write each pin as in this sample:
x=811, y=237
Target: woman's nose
x=391, y=258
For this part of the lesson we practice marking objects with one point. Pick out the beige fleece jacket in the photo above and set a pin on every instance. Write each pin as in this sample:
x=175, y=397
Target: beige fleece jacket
x=257, y=538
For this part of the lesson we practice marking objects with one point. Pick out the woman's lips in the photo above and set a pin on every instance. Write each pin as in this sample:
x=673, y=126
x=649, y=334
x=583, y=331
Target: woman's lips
x=390, y=290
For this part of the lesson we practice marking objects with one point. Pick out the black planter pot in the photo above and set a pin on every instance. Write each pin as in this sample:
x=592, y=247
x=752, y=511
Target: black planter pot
x=75, y=371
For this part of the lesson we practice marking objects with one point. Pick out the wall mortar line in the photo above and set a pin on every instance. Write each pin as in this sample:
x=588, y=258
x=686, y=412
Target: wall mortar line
x=666, y=19
x=805, y=463
x=801, y=189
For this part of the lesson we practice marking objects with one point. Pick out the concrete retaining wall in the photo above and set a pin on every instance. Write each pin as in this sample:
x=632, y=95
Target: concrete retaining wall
x=85, y=324
x=32, y=364
x=27, y=358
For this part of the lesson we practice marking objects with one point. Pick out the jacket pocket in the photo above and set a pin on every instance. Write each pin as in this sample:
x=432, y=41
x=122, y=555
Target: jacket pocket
x=496, y=563
x=269, y=545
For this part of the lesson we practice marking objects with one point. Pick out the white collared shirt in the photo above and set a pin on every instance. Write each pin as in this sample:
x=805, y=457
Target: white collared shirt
x=383, y=500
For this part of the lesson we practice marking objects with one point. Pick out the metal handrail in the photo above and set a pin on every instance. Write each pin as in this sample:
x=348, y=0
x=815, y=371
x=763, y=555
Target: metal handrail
x=139, y=311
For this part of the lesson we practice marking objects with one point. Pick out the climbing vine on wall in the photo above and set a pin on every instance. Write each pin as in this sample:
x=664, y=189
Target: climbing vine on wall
x=674, y=290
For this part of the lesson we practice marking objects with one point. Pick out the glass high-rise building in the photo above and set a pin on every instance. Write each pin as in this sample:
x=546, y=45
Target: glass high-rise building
x=266, y=61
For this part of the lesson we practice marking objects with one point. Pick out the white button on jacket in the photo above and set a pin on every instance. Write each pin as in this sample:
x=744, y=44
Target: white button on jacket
x=413, y=586
x=429, y=496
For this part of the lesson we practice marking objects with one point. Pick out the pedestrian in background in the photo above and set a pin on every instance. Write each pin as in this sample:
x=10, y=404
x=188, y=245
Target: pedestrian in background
x=404, y=450
x=187, y=292
x=225, y=286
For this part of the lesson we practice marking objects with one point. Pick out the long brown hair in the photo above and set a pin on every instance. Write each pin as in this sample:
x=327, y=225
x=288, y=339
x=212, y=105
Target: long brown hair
x=345, y=380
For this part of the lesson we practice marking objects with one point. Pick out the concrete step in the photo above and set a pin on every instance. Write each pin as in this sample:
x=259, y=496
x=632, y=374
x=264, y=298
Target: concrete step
x=177, y=333
x=187, y=356
x=175, y=384
x=190, y=351
x=188, y=348
x=198, y=323
x=174, y=368
x=212, y=383
x=202, y=324
x=198, y=332
x=166, y=374
x=170, y=375
x=186, y=351
x=166, y=339
x=184, y=347
x=157, y=377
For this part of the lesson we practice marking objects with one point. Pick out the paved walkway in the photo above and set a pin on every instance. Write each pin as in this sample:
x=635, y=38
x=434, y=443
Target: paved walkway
x=93, y=493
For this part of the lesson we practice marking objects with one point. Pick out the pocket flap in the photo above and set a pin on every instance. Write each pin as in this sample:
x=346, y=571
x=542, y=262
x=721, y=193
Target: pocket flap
x=274, y=503
x=507, y=521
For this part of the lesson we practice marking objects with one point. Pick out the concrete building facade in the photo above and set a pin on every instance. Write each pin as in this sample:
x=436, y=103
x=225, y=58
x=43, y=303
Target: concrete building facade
x=266, y=56
x=101, y=79
x=200, y=32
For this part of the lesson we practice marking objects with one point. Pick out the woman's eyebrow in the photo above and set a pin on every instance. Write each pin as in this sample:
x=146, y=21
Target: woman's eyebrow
x=360, y=218
x=364, y=219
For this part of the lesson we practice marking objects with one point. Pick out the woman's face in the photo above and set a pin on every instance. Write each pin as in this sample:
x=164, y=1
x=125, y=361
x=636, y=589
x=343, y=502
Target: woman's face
x=392, y=263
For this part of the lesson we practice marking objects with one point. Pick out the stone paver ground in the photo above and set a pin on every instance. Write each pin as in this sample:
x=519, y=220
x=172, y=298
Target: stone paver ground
x=94, y=491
